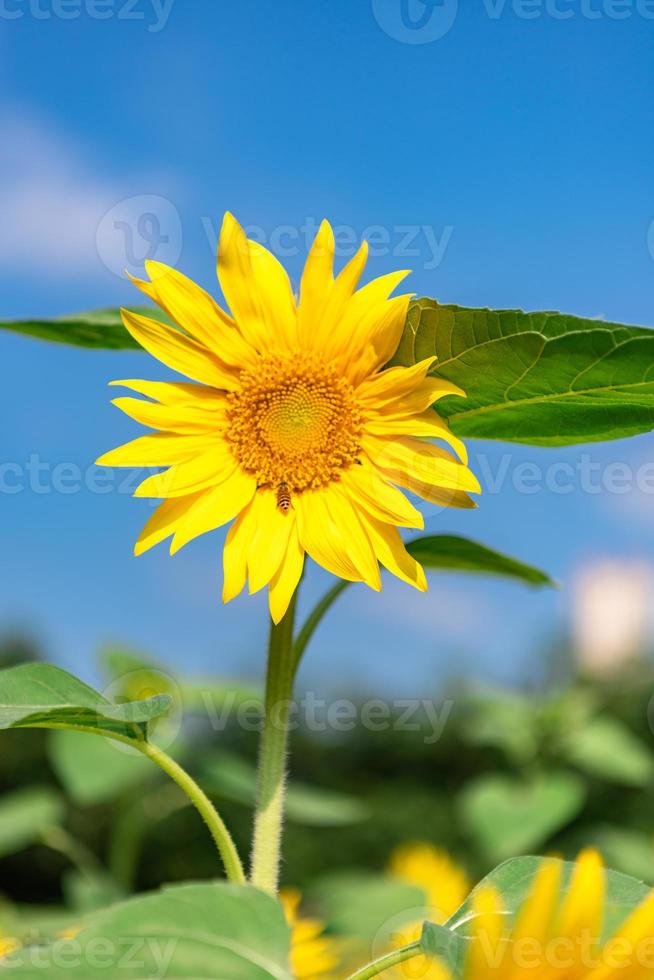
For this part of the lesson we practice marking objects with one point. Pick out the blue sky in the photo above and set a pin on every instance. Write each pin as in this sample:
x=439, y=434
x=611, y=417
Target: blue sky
x=507, y=160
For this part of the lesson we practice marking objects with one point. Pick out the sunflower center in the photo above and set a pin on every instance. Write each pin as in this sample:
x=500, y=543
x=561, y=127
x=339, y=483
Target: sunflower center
x=294, y=421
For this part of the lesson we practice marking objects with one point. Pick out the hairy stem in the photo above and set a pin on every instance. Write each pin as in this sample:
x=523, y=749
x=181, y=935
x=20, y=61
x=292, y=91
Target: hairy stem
x=271, y=780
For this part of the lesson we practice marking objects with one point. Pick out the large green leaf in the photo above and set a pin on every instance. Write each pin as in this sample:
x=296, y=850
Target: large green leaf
x=507, y=815
x=514, y=880
x=26, y=814
x=209, y=931
x=546, y=379
x=453, y=553
x=42, y=696
x=100, y=329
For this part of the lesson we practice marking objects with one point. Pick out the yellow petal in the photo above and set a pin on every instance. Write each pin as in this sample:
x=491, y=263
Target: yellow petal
x=622, y=956
x=236, y=550
x=270, y=539
x=160, y=449
x=379, y=498
x=537, y=916
x=215, y=507
x=420, y=461
x=177, y=351
x=412, y=403
x=488, y=947
x=276, y=300
x=163, y=522
x=285, y=581
x=391, y=552
x=393, y=383
x=316, y=284
x=197, y=313
x=213, y=466
x=428, y=425
x=169, y=392
x=377, y=338
x=238, y=285
x=583, y=906
x=348, y=519
x=203, y=416
x=321, y=538
x=335, y=304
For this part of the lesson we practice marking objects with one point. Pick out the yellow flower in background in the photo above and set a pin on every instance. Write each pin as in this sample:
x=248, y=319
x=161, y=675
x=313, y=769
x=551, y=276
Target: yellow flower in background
x=555, y=935
x=445, y=886
x=293, y=429
x=312, y=955
x=8, y=946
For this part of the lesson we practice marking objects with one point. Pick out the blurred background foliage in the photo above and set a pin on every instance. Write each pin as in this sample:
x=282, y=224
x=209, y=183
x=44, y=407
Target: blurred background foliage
x=555, y=766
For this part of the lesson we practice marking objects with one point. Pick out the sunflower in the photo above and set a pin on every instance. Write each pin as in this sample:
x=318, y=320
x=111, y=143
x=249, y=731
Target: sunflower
x=556, y=933
x=445, y=886
x=312, y=955
x=8, y=946
x=444, y=883
x=292, y=428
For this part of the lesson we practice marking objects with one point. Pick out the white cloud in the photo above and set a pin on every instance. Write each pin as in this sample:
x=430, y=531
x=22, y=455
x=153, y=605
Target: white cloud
x=52, y=203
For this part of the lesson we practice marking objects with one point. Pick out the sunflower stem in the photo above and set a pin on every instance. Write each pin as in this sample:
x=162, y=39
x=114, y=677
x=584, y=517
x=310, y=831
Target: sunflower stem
x=390, y=959
x=271, y=778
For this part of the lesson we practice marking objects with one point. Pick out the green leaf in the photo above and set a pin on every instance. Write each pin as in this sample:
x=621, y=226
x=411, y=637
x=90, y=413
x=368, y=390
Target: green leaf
x=453, y=553
x=235, y=778
x=25, y=815
x=42, y=696
x=445, y=944
x=546, y=379
x=363, y=904
x=86, y=891
x=99, y=329
x=220, y=931
x=508, y=816
x=605, y=748
x=514, y=880
x=94, y=770
x=506, y=721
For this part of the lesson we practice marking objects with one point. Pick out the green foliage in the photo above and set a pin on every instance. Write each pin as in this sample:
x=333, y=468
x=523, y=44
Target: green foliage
x=360, y=905
x=94, y=770
x=508, y=815
x=234, y=778
x=546, y=379
x=43, y=696
x=514, y=879
x=26, y=814
x=606, y=748
x=97, y=329
x=216, y=931
x=450, y=552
